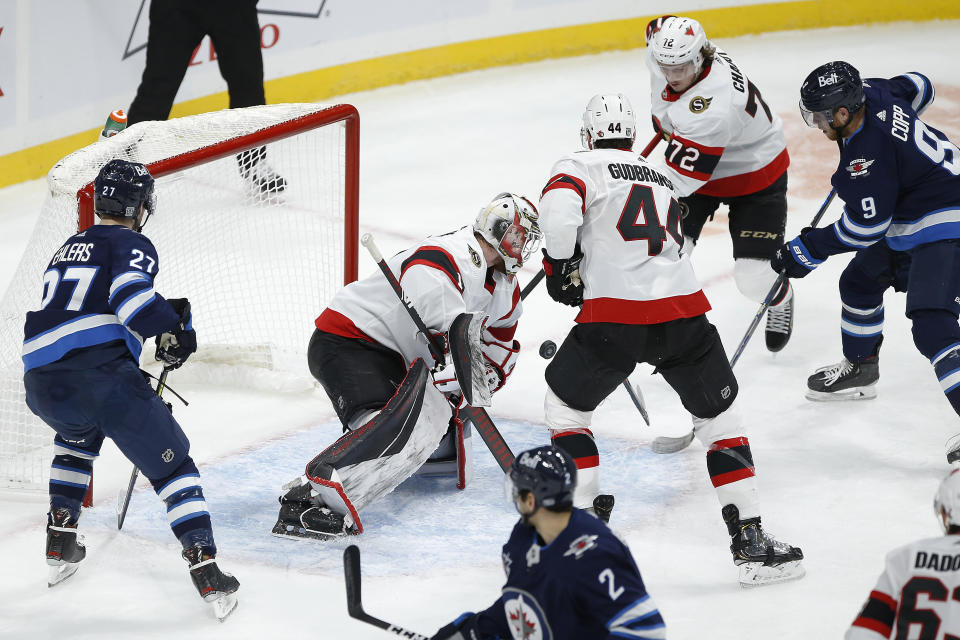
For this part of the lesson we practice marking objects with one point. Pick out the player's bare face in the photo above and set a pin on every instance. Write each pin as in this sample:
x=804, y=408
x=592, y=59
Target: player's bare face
x=680, y=77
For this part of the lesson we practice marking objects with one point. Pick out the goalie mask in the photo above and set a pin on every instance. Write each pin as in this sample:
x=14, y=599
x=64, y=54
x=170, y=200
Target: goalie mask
x=677, y=48
x=509, y=224
x=121, y=188
x=946, y=503
x=607, y=117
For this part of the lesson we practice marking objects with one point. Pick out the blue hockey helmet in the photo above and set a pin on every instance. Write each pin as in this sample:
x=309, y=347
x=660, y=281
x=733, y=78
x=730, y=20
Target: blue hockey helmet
x=827, y=88
x=121, y=188
x=547, y=472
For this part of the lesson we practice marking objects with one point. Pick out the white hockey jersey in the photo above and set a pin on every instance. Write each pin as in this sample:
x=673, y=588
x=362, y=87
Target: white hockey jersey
x=725, y=140
x=442, y=277
x=625, y=217
x=917, y=596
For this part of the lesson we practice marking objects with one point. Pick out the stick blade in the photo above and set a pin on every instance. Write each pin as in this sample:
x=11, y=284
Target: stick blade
x=351, y=574
x=667, y=444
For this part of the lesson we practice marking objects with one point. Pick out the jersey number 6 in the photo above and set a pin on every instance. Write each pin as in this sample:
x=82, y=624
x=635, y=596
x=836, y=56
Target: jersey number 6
x=641, y=204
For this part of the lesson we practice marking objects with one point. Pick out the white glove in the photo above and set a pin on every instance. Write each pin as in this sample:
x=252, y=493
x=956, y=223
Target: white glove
x=445, y=380
x=501, y=358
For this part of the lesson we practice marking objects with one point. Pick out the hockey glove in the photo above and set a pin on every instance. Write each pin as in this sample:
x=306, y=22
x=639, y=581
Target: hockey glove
x=463, y=628
x=501, y=358
x=796, y=257
x=563, y=278
x=445, y=375
x=176, y=345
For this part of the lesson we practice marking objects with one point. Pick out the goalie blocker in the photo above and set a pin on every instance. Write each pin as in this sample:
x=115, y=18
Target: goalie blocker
x=368, y=462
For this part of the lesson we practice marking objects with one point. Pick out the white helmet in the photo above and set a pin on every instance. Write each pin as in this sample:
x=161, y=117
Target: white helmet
x=947, y=501
x=509, y=224
x=609, y=116
x=678, y=41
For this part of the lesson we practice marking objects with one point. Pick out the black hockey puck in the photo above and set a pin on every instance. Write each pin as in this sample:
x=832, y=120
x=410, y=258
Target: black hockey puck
x=548, y=348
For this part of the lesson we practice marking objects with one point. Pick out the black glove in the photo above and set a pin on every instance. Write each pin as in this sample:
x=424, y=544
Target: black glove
x=563, y=278
x=463, y=628
x=176, y=345
x=797, y=257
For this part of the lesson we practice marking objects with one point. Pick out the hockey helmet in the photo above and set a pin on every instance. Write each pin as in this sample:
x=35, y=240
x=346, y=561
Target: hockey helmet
x=946, y=503
x=549, y=473
x=121, y=188
x=677, y=48
x=608, y=116
x=827, y=88
x=509, y=224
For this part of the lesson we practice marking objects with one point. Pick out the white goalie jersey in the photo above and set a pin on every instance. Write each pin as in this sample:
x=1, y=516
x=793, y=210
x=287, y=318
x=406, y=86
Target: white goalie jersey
x=725, y=140
x=623, y=214
x=442, y=277
x=917, y=596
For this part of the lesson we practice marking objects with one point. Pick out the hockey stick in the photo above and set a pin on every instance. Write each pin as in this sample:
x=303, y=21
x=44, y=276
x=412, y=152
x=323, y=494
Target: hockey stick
x=351, y=574
x=124, y=503
x=667, y=444
x=477, y=415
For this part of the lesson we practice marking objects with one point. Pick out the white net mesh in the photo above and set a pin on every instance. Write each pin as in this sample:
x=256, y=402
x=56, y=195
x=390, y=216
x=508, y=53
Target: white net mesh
x=254, y=240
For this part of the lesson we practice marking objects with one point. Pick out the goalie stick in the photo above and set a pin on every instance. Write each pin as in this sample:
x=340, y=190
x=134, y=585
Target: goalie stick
x=477, y=415
x=351, y=574
x=667, y=444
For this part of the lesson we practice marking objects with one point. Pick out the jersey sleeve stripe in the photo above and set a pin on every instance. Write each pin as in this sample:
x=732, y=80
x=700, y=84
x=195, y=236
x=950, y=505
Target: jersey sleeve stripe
x=129, y=309
x=847, y=240
x=706, y=160
x=878, y=614
x=503, y=334
x=125, y=279
x=853, y=228
x=436, y=258
x=565, y=181
x=514, y=302
x=925, y=91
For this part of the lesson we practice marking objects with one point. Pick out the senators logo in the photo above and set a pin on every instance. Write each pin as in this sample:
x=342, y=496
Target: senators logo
x=474, y=257
x=699, y=104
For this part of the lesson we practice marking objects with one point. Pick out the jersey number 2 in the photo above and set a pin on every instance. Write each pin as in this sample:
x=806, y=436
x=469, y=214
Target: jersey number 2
x=641, y=205
x=607, y=576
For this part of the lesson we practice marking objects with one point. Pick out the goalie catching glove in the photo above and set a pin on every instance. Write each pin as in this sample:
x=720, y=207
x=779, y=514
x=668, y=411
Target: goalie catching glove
x=563, y=278
x=176, y=345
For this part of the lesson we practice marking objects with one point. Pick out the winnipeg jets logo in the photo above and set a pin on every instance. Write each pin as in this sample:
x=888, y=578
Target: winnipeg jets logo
x=699, y=104
x=581, y=545
x=859, y=167
x=507, y=562
x=525, y=616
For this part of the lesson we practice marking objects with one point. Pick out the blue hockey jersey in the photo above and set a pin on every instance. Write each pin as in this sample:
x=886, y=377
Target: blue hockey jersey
x=98, y=301
x=584, y=584
x=898, y=177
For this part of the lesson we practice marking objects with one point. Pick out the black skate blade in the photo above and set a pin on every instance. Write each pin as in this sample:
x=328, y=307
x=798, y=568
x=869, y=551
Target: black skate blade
x=59, y=573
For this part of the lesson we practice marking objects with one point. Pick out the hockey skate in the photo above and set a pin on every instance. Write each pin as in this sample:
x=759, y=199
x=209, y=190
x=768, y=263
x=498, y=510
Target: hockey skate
x=779, y=325
x=301, y=516
x=762, y=559
x=953, y=449
x=845, y=381
x=214, y=586
x=602, y=507
x=65, y=548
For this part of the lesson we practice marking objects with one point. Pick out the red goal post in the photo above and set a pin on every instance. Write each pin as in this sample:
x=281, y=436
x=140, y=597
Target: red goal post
x=258, y=263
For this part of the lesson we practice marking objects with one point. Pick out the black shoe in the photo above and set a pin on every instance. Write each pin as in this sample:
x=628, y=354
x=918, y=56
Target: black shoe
x=845, y=381
x=603, y=506
x=750, y=543
x=210, y=581
x=779, y=325
x=63, y=546
x=301, y=516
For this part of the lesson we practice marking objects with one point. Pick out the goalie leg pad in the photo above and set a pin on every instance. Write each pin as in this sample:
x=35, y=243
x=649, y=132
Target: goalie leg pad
x=369, y=462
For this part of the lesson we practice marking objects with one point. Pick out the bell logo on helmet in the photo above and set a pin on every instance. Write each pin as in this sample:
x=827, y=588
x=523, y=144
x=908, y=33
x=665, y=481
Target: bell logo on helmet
x=826, y=81
x=528, y=460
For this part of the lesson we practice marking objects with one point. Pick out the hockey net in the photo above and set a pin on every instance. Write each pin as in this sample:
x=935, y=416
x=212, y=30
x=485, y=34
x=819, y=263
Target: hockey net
x=257, y=262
